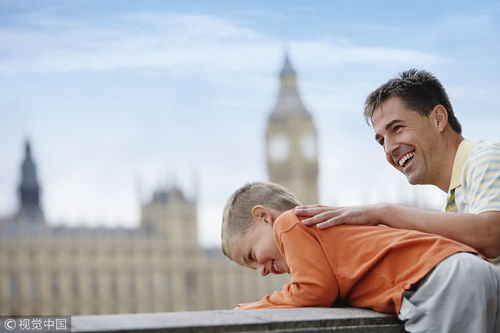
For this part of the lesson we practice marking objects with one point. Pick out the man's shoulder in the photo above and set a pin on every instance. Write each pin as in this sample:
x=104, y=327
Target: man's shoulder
x=483, y=158
x=485, y=150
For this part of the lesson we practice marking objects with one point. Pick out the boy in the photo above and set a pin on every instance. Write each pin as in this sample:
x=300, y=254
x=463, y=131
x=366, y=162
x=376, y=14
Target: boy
x=432, y=283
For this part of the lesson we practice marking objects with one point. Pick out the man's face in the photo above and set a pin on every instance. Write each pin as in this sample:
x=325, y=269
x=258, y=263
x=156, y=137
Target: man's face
x=409, y=140
x=258, y=250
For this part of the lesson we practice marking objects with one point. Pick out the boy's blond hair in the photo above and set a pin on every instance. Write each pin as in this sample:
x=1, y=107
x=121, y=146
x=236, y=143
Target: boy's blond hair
x=237, y=217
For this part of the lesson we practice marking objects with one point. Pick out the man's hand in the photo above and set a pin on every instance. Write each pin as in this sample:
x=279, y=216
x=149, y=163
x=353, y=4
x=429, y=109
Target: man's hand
x=326, y=216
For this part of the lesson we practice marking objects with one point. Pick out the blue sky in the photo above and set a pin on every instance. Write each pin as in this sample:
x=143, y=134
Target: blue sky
x=119, y=97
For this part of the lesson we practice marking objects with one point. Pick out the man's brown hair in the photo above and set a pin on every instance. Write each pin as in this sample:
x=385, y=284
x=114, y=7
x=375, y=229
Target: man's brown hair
x=419, y=90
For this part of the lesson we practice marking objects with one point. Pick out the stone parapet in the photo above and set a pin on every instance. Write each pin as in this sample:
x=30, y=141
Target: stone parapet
x=274, y=320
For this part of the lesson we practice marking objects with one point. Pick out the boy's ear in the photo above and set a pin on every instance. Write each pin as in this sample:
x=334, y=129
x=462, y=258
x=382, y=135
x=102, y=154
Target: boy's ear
x=262, y=214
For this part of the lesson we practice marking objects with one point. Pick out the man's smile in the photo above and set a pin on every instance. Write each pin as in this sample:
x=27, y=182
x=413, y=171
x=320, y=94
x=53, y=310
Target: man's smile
x=406, y=157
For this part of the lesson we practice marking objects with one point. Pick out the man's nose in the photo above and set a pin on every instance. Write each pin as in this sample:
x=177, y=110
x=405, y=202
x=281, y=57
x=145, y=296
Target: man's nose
x=390, y=149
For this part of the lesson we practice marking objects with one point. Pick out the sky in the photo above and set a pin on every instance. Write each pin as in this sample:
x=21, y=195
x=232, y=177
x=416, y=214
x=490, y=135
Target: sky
x=120, y=97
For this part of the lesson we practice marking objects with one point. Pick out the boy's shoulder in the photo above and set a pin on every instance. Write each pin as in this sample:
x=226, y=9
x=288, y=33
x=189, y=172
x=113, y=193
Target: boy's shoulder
x=286, y=221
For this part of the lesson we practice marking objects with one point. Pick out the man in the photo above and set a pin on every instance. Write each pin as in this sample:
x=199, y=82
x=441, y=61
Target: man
x=414, y=122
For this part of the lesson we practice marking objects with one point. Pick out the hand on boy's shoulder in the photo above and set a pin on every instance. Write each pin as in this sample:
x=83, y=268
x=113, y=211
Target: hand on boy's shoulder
x=325, y=217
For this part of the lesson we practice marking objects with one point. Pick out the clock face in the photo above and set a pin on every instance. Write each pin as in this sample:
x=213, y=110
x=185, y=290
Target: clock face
x=308, y=146
x=279, y=147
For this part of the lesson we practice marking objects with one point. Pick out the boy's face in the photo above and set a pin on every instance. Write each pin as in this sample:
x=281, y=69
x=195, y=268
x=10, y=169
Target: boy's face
x=258, y=250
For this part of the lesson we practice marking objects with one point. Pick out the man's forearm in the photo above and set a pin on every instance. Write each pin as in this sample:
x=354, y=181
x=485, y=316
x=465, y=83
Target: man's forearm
x=480, y=231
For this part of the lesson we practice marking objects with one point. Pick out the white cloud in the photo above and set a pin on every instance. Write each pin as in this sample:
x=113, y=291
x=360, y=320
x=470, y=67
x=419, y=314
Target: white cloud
x=326, y=54
x=168, y=42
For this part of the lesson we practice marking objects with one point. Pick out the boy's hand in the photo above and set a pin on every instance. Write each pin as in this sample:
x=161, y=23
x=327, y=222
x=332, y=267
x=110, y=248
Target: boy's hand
x=326, y=216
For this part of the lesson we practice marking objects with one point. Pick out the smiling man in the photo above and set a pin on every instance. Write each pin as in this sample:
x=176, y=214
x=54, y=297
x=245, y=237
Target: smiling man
x=415, y=124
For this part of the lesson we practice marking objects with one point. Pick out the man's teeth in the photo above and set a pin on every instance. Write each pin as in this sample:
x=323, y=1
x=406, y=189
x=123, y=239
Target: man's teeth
x=405, y=158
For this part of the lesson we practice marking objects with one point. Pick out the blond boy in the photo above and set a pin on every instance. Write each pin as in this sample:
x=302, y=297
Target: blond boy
x=368, y=266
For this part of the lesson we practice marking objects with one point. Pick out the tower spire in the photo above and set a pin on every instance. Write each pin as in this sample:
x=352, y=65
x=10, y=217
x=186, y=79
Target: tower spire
x=29, y=189
x=287, y=69
x=289, y=102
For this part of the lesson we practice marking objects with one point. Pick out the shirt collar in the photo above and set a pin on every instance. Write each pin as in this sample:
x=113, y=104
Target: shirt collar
x=463, y=152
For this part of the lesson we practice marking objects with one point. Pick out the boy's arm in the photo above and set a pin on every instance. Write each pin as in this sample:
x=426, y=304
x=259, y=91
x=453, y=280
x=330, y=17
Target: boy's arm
x=312, y=280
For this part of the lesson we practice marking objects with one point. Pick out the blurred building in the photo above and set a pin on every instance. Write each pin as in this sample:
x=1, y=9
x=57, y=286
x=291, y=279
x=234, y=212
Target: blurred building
x=158, y=266
x=291, y=141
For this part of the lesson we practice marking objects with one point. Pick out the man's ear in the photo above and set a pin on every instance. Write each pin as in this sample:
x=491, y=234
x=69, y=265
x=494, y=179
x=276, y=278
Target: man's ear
x=262, y=214
x=440, y=117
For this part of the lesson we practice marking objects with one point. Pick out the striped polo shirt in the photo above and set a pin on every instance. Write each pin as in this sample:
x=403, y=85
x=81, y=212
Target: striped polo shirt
x=475, y=180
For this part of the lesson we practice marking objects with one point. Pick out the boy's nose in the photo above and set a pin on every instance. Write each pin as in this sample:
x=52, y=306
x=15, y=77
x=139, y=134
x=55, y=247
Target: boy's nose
x=263, y=270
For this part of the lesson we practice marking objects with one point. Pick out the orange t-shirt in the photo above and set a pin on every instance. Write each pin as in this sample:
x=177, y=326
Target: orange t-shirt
x=368, y=266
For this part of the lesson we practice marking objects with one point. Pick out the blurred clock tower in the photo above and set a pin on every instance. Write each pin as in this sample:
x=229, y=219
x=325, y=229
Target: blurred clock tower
x=291, y=141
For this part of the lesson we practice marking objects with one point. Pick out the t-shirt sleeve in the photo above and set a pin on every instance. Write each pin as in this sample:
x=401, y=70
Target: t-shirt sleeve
x=312, y=282
x=482, y=180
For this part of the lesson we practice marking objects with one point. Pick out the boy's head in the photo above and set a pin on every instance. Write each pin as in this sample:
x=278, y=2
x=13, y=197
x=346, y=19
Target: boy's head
x=247, y=221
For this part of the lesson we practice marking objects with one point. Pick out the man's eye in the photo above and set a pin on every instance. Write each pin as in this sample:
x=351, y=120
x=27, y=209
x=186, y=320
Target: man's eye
x=397, y=128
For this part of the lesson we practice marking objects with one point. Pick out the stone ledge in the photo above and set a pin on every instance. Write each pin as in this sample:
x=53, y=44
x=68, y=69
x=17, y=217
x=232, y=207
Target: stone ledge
x=272, y=320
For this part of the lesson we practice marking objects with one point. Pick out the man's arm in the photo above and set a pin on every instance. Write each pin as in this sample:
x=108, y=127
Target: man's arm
x=480, y=231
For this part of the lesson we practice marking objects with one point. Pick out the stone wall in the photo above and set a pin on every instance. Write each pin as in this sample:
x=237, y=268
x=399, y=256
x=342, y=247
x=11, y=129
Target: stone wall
x=274, y=320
